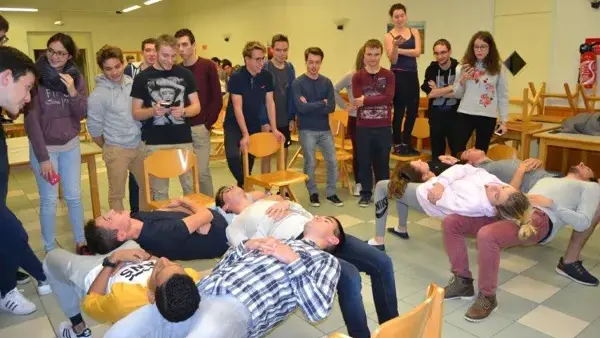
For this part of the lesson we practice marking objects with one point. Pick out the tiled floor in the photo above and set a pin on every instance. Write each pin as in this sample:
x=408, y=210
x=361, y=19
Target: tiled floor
x=534, y=300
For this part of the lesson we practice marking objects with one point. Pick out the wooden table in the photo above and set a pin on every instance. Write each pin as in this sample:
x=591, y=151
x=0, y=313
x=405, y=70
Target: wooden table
x=18, y=156
x=567, y=141
x=525, y=137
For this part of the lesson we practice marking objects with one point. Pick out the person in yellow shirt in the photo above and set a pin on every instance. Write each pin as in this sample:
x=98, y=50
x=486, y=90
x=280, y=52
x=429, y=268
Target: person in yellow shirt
x=109, y=287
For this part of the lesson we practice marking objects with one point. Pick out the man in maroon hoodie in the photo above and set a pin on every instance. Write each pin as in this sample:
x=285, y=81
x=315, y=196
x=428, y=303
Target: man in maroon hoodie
x=373, y=89
x=209, y=92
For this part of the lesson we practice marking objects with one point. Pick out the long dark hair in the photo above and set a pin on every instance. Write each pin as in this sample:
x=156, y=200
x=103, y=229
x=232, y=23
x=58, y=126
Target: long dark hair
x=401, y=178
x=492, y=62
x=67, y=42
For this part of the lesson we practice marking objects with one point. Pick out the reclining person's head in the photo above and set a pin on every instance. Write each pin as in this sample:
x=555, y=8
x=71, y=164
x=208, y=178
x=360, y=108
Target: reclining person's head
x=473, y=156
x=411, y=172
x=512, y=205
x=583, y=172
x=326, y=231
x=107, y=232
x=230, y=198
x=173, y=291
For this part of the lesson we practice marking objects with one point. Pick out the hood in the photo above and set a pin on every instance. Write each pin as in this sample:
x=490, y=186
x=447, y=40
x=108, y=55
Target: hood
x=453, y=64
x=103, y=82
x=110, y=90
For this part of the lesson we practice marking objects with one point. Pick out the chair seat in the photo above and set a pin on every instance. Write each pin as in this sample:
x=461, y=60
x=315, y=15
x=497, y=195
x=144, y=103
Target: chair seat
x=217, y=139
x=220, y=132
x=295, y=138
x=201, y=199
x=424, y=157
x=277, y=179
x=347, y=144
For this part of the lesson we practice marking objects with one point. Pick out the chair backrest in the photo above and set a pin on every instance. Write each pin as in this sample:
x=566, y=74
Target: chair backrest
x=261, y=145
x=424, y=321
x=421, y=131
x=170, y=163
x=502, y=152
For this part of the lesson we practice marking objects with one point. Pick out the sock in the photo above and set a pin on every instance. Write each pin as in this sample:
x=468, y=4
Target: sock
x=76, y=320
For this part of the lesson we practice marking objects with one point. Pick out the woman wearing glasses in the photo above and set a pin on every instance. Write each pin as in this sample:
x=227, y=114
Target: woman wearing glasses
x=52, y=125
x=481, y=86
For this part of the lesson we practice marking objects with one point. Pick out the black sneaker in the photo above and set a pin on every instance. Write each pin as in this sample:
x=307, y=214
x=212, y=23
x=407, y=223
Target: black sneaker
x=22, y=278
x=335, y=200
x=576, y=272
x=314, y=200
x=399, y=149
x=410, y=151
x=364, y=201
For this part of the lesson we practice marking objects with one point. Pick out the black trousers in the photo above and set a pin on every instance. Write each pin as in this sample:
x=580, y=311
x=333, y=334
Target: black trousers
x=406, y=103
x=373, y=151
x=442, y=129
x=482, y=125
x=233, y=136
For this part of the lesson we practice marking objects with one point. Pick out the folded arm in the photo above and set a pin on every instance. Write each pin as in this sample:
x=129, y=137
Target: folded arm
x=305, y=107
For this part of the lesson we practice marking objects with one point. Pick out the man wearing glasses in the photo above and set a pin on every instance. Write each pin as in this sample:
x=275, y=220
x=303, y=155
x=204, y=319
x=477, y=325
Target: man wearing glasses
x=3, y=30
x=251, y=90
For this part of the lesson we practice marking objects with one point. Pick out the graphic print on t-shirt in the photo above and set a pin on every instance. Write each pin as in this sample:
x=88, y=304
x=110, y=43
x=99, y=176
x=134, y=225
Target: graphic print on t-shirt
x=131, y=273
x=375, y=88
x=169, y=90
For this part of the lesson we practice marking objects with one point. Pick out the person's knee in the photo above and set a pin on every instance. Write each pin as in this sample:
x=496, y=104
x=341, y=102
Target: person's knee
x=350, y=281
x=486, y=235
x=452, y=224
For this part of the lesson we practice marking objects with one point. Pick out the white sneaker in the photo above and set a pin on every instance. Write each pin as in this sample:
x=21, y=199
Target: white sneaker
x=357, y=188
x=15, y=303
x=66, y=331
x=44, y=289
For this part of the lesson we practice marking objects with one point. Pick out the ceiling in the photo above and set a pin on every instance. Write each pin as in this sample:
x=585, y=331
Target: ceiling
x=106, y=6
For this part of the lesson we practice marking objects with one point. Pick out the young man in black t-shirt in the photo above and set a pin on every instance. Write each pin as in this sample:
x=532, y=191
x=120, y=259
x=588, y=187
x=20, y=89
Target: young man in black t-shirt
x=164, y=97
x=184, y=230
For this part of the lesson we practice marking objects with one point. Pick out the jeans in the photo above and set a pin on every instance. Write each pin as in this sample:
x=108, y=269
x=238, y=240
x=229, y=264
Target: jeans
x=406, y=103
x=217, y=317
x=408, y=199
x=357, y=256
x=201, y=139
x=15, y=252
x=120, y=163
x=4, y=171
x=159, y=187
x=67, y=164
x=373, y=152
x=310, y=140
x=233, y=136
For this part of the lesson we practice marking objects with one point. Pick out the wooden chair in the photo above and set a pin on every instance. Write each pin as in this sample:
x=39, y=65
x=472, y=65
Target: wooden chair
x=265, y=144
x=421, y=132
x=218, y=134
x=171, y=163
x=539, y=102
x=424, y=321
x=338, y=130
x=502, y=152
x=589, y=100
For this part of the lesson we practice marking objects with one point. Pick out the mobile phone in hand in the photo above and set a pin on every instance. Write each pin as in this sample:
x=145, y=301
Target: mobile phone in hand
x=498, y=131
x=53, y=178
x=165, y=105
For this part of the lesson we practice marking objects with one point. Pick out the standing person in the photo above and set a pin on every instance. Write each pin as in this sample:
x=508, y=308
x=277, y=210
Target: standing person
x=113, y=128
x=225, y=75
x=481, y=85
x=437, y=84
x=52, y=125
x=373, y=91
x=149, y=58
x=17, y=77
x=209, y=93
x=346, y=83
x=403, y=47
x=3, y=30
x=283, y=75
x=314, y=99
x=164, y=96
x=251, y=94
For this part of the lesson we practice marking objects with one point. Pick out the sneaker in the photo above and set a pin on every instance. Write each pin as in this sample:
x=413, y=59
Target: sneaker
x=22, y=278
x=357, y=188
x=482, y=308
x=15, y=303
x=410, y=151
x=576, y=272
x=335, y=200
x=66, y=331
x=314, y=200
x=380, y=247
x=459, y=288
x=83, y=250
x=399, y=149
x=364, y=201
x=44, y=288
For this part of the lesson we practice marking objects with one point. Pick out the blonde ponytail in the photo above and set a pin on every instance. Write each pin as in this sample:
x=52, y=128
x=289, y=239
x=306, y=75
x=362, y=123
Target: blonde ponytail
x=517, y=208
x=526, y=228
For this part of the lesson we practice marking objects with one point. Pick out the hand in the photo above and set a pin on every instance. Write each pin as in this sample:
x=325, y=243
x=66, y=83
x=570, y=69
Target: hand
x=447, y=159
x=178, y=112
x=502, y=129
x=399, y=40
x=282, y=252
x=435, y=194
x=129, y=255
x=292, y=125
x=359, y=101
x=467, y=73
x=204, y=229
x=265, y=128
x=530, y=164
x=278, y=210
x=325, y=100
x=160, y=110
x=244, y=143
x=540, y=201
x=68, y=81
x=303, y=99
x=279, y=136
x=46, y=169
x=258, y=243
x=432, y=84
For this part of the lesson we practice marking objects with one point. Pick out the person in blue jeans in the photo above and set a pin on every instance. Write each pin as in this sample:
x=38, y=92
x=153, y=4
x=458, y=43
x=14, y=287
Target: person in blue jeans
x=287, y=220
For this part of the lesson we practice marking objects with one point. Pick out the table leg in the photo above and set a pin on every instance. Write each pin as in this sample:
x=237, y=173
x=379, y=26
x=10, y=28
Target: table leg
x=565, y=160
x=93, y=176
x=525, y=147
x=543, y=151
x=584, y=156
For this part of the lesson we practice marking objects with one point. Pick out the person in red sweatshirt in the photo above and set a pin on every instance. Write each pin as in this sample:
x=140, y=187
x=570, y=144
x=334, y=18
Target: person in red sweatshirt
x=373, y=91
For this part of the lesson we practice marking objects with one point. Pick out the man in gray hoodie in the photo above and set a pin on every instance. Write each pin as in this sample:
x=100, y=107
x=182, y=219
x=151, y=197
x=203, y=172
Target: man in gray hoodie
x=113, y=128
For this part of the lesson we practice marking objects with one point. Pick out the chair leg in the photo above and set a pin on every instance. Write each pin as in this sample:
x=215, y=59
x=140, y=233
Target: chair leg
x=291, y=194
x=293, y=159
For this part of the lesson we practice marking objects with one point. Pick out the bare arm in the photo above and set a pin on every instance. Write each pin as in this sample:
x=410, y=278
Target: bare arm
x=416, y=52
x=194, y=108
x=140, y=113
x=201, y=216
x=391, y=48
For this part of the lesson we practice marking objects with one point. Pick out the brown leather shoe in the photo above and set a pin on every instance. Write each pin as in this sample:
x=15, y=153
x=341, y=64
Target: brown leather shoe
x=459, y=288
x=482, y=308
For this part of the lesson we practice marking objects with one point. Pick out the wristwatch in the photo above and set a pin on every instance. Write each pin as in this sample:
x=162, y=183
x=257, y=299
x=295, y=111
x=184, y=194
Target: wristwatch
x=107, y=263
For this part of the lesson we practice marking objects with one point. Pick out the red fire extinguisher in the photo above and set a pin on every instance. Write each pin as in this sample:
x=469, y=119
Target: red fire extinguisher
x=588, y=69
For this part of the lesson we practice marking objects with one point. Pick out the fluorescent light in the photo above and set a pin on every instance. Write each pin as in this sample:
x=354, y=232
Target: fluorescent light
x=59, y=22
x=132, y=8
x=150, y=2
x=10, y=9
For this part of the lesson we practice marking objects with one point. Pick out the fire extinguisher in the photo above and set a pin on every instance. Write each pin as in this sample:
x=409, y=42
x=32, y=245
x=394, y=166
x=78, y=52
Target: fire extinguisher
x=588, y=69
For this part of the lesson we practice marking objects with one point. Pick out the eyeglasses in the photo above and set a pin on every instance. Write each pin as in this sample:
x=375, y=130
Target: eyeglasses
x=52, y=52
x=481, y=47
x=441, y=53
x=3, y=40
x=259, y=60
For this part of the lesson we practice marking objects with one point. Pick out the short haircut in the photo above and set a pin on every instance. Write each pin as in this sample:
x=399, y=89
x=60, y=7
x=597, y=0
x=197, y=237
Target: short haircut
x=16, y=61
x=109, y=52
x=373, y=43
x=225, y=63
x=251, y=46
x=442, y=42
x=130, y=57
x=178, y=298
x=151, y=41
x=219, y=202
x=166, y=40
x=3, y=24
x=186, y=32
x=215, y=59
x=279, y=38
x=100, y=240
x=314, y=51
x=340, y=234
x=397, y=7
x=67, y=42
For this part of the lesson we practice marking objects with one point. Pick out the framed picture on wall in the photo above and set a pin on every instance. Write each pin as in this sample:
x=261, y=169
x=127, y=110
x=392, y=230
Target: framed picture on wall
x=419, y=25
